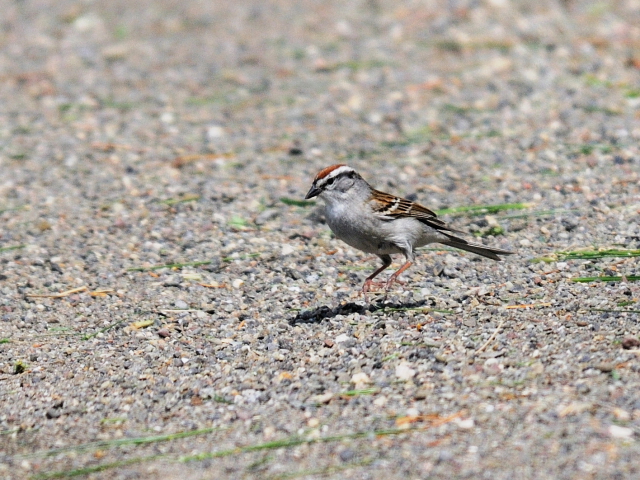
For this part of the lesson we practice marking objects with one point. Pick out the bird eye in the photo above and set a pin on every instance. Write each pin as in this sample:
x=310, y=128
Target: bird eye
x=330, y=181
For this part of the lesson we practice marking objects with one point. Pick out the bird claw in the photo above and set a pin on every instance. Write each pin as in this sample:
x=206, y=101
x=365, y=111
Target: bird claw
x=393, y=280
x=370, y=283
x=385, y=286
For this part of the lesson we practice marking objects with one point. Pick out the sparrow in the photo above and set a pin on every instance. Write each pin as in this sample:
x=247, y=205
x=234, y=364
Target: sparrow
x=383, y=224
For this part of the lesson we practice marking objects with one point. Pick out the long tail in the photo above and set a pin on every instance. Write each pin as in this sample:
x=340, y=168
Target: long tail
x=478, y=249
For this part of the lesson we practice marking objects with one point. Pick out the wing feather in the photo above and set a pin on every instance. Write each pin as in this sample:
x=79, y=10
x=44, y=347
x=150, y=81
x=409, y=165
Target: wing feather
x=391, y=207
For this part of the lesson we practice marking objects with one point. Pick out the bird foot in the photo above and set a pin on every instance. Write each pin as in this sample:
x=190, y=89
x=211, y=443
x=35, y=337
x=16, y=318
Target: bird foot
x=393, y=280
x=368, y=284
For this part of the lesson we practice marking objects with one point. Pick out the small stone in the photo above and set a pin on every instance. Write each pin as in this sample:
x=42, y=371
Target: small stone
x=181, y=304
x=404, y=371
x=164, y=333
x=243, y=415
x=469, y=322
x=266, y=215
x=413, y=412
x=167, y=117
x=115, y=51
x=172, y=281
x=605, y=367
x=616, y=431
x=582, y=388
x=421, y=394
x=492, y=367
x=360, y=380
x=630, y=342
x=621, y=414
x=328, y=343
x=53, y=413
x=343, y=337
x=320, y=399
x=441, y=358
x=287, y=250
x=214, y=132
x=465, y=423
x=582, y=323
x=537, y=369
x=380, y=401
x=237, y=283
x=347, y=455
x=445, y=456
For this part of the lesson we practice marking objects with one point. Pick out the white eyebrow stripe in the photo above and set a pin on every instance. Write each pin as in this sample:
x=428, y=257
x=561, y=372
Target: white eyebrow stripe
x=339, y=171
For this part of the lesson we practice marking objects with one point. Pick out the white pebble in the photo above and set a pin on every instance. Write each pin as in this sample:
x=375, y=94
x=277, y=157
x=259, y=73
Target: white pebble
x=465, y=424
x=237, y=283
x=360, y=379
x=215, y=131
x=404, y=371
x=620, y=432
x=343, y=337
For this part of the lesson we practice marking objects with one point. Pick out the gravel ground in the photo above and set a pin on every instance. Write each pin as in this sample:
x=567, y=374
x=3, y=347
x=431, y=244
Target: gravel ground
x=140, y=134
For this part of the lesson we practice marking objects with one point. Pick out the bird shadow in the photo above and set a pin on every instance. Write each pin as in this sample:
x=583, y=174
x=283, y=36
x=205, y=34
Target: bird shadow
x=319, y=314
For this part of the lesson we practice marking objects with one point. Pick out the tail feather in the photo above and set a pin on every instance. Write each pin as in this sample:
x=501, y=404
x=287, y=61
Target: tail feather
x=477, y=248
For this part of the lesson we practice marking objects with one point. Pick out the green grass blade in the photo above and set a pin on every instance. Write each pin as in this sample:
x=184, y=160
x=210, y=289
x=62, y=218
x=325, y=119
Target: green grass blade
x=97, y=468
x=169, y=265
x=613, y=310
x=364, y=391
x=241, y=257
x=297, y=203
x=630, y=278
x=175, y=201
x=8, y=249
x=483, y=209
x=101, y=445
x=596, y=254
x=102, y=330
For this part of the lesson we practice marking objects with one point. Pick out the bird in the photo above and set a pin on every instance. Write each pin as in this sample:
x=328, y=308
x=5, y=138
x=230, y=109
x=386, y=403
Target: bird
x=383, y=224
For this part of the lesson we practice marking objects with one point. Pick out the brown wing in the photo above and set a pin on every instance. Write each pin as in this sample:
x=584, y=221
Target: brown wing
x=392, y=207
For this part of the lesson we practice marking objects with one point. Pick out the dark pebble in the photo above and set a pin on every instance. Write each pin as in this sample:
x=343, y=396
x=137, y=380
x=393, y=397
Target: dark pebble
x=53, y=413
x=347, y=455
x=630, y=342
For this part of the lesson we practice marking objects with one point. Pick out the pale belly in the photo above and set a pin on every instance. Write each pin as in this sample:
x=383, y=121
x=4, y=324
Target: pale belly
x=381, y=237
x=365, y=237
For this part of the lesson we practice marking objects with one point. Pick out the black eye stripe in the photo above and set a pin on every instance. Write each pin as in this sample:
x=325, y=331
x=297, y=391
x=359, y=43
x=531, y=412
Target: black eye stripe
x=330, y=181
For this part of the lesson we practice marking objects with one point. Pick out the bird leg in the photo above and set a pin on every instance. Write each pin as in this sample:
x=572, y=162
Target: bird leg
x=394, y=277
x=368, y=283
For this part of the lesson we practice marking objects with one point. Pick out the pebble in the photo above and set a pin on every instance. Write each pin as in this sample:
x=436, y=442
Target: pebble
x=164, y=333
x=616, y=431
x=465, y=423
x=421, y=394
x=347, y=455
x=360, y=380
x=404, y=371
x=266, y=216
x=605, y=367
x=172, y=281
x=629, y=343
x=492, y=367
x=53, y=413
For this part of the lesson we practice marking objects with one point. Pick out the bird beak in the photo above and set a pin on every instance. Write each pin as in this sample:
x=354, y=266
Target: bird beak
x=313, y=192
